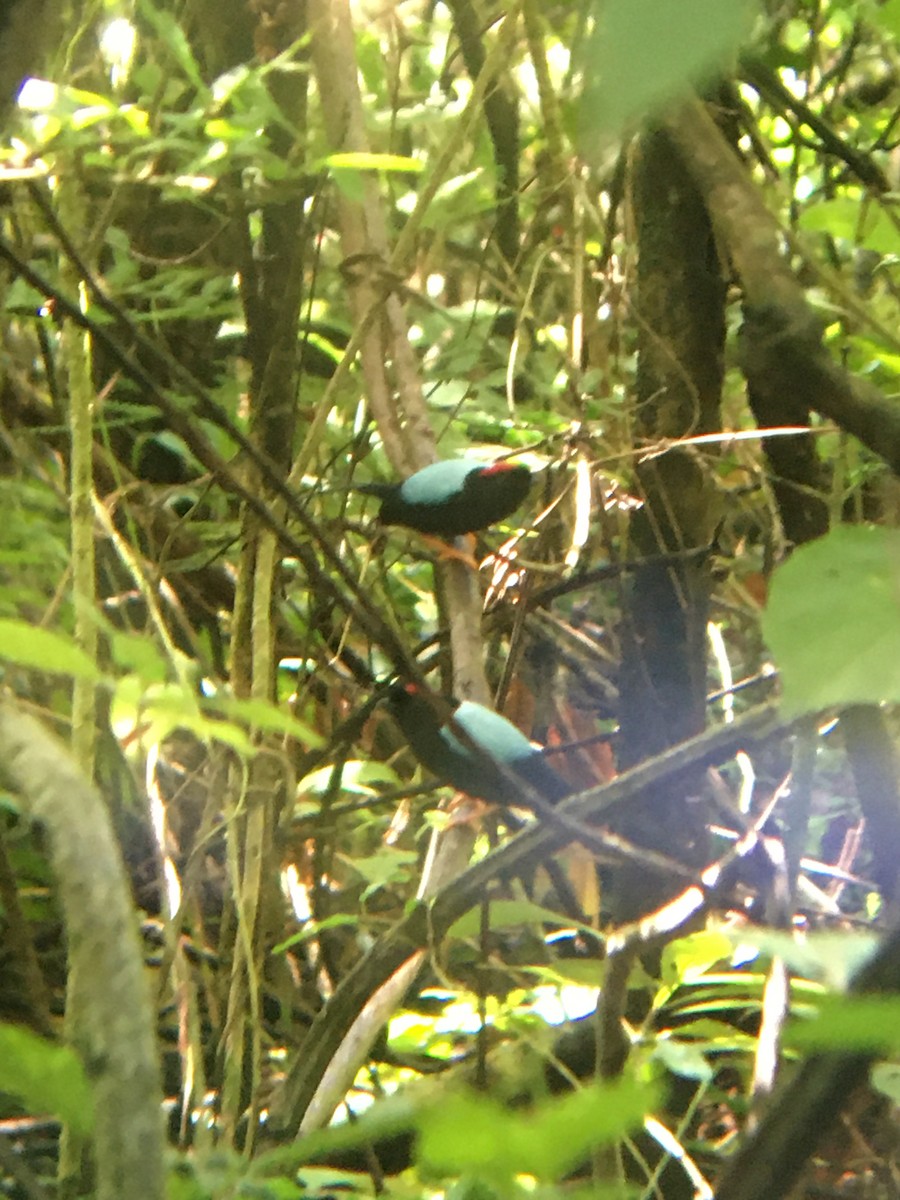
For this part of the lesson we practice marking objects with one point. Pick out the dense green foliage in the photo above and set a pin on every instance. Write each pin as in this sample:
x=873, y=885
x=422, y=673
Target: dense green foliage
x=257, y=257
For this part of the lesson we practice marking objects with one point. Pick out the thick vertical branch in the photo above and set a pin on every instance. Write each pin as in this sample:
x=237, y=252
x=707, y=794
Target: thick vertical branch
x=680, y=309
x=116, y=1033
x=76, y=363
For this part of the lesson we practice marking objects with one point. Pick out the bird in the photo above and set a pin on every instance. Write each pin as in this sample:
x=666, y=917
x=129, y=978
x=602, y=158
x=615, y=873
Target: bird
x=448, y=757
x=453, y=497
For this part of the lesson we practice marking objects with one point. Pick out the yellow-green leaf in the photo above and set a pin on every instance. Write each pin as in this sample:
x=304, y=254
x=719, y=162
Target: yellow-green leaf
x=365, y=161
x=46, y=1077
x=30, y=646
x=832, y=620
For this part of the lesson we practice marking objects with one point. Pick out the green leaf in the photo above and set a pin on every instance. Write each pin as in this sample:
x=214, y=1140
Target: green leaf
x=887, y=15
x=575, y=972
x=644, y=52
x=224, y=86
x=839, y=217
x=683, y=1059
x=137, y=653
x=832, y=620
x=84, y=118
x=164, y=707
x=312, y=929
x=831, y=959
x=182, y=1185
x=30, y=646
x=877, y=355
x=319, y=1182
x=687, y=957
x=172, y=36
x=382, y=1120
x=39, y=95
x=504, y=914
x=856, y=220
x=470, y=1133
x=457, y=199
x=717, y=1036
x=46, y=1077
x=386, y=866
x=265, y=716
x=870, y=1024
x=21, y=297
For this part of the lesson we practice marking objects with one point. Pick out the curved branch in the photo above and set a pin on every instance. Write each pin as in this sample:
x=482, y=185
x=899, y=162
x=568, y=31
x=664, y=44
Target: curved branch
x=781, y=342
x=116, y=1034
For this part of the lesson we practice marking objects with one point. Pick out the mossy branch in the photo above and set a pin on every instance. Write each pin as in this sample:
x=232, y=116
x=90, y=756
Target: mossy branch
x=115, y=1034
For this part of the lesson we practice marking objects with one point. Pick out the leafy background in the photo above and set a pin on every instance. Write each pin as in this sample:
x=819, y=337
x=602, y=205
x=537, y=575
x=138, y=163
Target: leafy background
x=255, y=255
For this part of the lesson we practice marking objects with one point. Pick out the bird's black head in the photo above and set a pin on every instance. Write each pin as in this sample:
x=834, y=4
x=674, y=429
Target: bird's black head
x=402, y=691
x=406, y=699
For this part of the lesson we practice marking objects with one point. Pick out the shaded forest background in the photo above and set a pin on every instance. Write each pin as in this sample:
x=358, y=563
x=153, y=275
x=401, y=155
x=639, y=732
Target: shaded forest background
x=256, y=254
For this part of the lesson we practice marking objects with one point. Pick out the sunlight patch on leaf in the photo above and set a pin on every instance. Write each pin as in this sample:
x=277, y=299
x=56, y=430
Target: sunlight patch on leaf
x=366, y=161
x=226, y=84
x=40, y=96
x=886, y=1078
x=689, y=957
x=57, y=106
